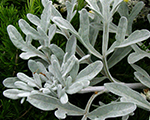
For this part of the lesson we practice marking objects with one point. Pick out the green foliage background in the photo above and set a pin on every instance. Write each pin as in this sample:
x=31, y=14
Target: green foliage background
x=10, y=63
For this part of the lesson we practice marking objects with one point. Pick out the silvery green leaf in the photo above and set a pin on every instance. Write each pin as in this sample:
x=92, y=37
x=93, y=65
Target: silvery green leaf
x=148, y=17
x=71, y=47
x=74, y=88
x=93, y=5
x=33, y=66
x=68, y=81
x=121, y=29
x=135, y=37
x=54, y=58
x=26, y=79
x=12, y=93
x=16, y=38
x=70, y=9
x=24, y=94
x=34, y=19
x=120, y=34
x=54, y=12
x=125, y=117
x=84, y=59
x=28, y=39
x=136, y=10
x=47, y=103
x=84, y=33
x=27, y=29
x=64, y=98
x=118, y=55
x=23, y=86
x=84, y=26
x=61, y=114
x=51, y=32
x=97, y=80
x=93, y=33
x=18, y=41
x=57, y=51
x=57, y=72
x=106, y=9
x=143, y=79
x=116, y=5
x=37, y=80
x=74, y=71
x=69, y=65
x=90, y=71
x=141, y=75
x=112, y=110
x=45, y=2
x=45, y=17
x=9, y=82
x=27, y=55
x=137, y=55
x=124, y=10
x=43, y=36
x=140, y=70
x=62, y=23
x=22, y=100
x=128, y=95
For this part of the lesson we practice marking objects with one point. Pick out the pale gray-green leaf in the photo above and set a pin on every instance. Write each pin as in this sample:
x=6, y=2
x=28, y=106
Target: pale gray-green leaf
x=148, y=17
x=64, y=98
x=57, y=51
x=61, y=114
x=51, y=32
x=71, y=47
x=9, y=82
x=136, y=10
x=16, y=38
x=74, y=88
x=143, y=79
x=12, y=93
x=112, y=110
x=140, y=70
x=121, y=29
x=47, y=103
x=45, y=17
x=118, y=55
x=27, y=29
x=84, y=25
x=137, y=55
x=34, y=19
x=94, y=6
x=26, y=79
x=90, y=71
x=23, y=86
x=129, y=94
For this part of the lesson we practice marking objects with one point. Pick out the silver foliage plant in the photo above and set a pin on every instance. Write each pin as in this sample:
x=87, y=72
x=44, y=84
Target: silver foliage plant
x=56, y=73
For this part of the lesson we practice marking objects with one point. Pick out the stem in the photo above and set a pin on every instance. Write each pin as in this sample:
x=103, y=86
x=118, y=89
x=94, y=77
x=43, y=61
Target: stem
x=87, y=108
x=101, y=88
x=106, y=69
x=104, y=49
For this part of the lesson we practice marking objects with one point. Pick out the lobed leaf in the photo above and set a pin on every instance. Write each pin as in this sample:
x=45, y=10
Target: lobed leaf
x=90, y=71
x=112, y=110
x=128, y=95
x=47, y=103
x=137, y=55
